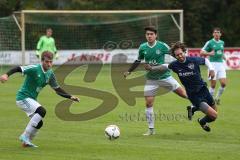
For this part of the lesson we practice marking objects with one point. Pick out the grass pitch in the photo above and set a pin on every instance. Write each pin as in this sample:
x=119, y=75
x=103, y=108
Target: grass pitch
x=176, y=137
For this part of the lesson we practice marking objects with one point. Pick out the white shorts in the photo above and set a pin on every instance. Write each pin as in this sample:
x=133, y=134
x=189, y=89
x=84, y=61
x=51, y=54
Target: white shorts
x=219, y=69
x=163, y=86
x=28, y=105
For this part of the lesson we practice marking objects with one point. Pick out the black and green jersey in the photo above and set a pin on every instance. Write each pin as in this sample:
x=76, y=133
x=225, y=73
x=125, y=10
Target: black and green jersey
x=218, y=47
x=36, y=79
x=154, y=55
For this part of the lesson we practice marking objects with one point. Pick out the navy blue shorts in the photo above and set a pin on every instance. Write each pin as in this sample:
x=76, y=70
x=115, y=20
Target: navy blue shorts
x=202, y=95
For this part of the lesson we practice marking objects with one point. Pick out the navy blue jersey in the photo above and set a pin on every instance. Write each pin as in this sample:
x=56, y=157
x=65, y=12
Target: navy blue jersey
x=189, y=73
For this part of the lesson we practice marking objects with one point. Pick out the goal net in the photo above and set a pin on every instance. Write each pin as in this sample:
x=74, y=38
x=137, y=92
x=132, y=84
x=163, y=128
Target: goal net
x=81, y=30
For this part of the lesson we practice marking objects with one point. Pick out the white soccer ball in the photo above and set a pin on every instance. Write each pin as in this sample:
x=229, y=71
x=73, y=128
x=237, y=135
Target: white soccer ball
x=112, y=132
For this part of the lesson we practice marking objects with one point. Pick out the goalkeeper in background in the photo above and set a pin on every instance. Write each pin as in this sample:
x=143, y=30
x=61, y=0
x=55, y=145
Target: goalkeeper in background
x=47, y=43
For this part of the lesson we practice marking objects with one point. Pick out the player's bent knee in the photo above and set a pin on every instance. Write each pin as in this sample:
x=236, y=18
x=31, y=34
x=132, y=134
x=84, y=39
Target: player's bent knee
x=41, y=111
x=223, y=85
x=181, y=92
x=40, y=124
x=149, y=101
x=213, y=86
x=213, y=116
x=149, y=105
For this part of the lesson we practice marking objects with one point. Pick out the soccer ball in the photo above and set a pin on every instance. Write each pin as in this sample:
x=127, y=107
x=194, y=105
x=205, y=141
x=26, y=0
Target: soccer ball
x=112, y=132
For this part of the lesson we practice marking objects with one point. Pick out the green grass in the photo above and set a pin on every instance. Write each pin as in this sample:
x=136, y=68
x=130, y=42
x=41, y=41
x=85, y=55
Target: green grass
x=69, y=140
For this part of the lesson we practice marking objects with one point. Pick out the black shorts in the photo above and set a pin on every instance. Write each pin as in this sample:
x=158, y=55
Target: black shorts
x=202, y=95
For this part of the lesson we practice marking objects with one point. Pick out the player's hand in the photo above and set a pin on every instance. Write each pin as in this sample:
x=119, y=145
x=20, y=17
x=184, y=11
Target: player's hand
x=37, y=54
x=4, y=78
x=125, y=74
x=211, y=53
x=76, y=99
x=211, y=74
x=224, y=58
x=56, y=55
x=148, y=67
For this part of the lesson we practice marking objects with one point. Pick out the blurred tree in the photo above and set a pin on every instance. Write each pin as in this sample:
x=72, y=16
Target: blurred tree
x=200, y=16
x=8, y=6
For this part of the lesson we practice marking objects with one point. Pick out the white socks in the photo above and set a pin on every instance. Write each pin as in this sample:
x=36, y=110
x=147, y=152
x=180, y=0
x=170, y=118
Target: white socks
x=220, y=92
x=211, y=91
x=30, y=130
x=150, y=117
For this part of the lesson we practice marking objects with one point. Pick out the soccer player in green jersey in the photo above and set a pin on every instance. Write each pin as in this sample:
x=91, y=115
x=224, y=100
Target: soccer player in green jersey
x=46, y=43
x=214, y=48
x=153, y=52
x=37, y=77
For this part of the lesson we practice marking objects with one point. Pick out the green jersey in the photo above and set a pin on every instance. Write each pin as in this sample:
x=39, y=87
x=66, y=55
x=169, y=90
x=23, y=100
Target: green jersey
x=154, y=55
x=218, y=47
x=36, y=79
x=46, y=44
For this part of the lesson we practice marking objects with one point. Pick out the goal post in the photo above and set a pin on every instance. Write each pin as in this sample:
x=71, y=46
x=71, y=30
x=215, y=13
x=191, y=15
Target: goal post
x=92, y=29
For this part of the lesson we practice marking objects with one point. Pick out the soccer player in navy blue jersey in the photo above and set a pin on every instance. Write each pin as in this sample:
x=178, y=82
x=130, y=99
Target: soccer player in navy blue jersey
x=188, y=71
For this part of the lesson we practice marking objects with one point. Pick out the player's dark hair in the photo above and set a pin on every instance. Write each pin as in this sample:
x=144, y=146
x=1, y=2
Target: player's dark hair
x=176, y=46
x=217, y=29
x=151, y=28
x=47, y=55
x=49, y=29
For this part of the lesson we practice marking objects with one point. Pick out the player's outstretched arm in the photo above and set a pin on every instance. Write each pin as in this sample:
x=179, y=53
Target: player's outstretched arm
x=205, y=53
x=64, y=94
x=132, y=68
x=162, y=67
x=5, y=76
